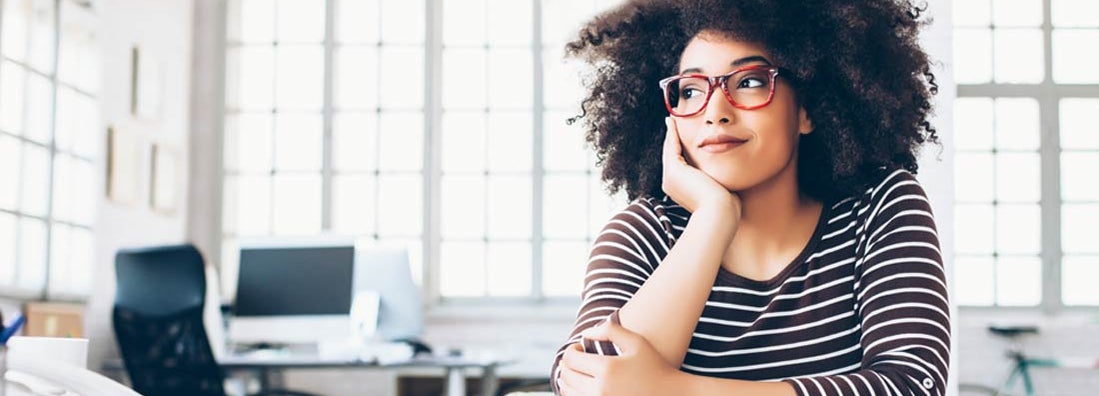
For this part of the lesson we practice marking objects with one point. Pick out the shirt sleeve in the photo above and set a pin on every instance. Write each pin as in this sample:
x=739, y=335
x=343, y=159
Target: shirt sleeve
x=901, y=300
x=623, y=256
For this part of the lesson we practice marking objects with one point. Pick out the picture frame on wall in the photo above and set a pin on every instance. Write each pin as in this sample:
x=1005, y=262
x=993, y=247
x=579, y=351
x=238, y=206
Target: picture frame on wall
x=164, y=179
x=145, y=86
x=123, y=166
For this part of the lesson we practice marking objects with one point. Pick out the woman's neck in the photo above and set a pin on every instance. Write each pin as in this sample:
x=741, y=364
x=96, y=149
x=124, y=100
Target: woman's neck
x=776, y=223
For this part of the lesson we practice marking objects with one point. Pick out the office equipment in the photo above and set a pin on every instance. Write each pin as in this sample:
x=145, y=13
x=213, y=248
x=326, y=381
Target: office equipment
x=158, y=322
x=53, y=319
x=386, y=271
x=293, y=291
x=11, y=329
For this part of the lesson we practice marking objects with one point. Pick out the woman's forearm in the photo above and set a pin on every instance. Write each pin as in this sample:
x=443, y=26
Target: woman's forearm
x=691, y=384
x=665, y=310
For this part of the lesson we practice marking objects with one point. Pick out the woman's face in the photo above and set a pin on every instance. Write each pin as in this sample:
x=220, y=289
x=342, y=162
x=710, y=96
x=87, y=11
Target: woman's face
x=765, y=140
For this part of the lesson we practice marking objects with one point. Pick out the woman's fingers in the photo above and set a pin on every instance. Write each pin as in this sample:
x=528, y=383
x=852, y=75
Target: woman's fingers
x=673, y=150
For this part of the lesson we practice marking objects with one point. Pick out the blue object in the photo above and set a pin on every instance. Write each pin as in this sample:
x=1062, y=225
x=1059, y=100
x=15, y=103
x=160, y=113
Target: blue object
x=13, y=328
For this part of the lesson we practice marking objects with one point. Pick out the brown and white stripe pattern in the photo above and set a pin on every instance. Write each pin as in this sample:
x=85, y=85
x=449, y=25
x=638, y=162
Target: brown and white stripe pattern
x=861, y=311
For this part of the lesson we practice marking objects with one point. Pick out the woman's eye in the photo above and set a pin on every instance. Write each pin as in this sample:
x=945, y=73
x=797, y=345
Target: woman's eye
x=689, y=93
x=751, y=83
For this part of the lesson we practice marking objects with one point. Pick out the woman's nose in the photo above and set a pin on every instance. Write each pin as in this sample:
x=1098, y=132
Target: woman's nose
x=718, y=109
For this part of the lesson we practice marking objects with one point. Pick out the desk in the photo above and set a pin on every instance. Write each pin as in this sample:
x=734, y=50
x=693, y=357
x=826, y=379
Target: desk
x=267, y=368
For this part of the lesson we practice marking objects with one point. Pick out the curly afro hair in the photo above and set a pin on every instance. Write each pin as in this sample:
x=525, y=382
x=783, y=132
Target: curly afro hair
x=858, y=70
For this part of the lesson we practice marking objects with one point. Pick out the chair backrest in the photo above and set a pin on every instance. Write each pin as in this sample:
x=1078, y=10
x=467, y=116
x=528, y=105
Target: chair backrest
x=158, y=322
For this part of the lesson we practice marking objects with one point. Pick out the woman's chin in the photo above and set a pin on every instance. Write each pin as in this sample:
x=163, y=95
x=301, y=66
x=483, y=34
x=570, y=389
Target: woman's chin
x=730, y=179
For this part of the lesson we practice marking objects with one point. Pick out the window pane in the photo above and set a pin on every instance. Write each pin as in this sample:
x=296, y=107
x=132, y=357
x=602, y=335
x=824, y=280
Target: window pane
x=509, y=269
x=972, y=13
x=11, y=96
x=82, y=264
x=32, y=254
x=563, y=90
x=973, y=177
x=40, y=34
x=973, y=229
x=463, y=148
x=403, y=22
x=63, y=194
x=510, y=22
x=561, y=19
x=354, y=141
x=252, y=204
x=356, y=80
x=509, y=203
x=36, y=170
x=17, y=14
x=357, y=21
x=301, y=20
x=248, y=142
x=252, y=21
x=603, y=206
x=10, y=164
x=1078, y=275
x=1078, y=228
x=298, y=142
x=39, y=104
x=1018, y=281
x=297, y=201
x=1078, y=176
x=1075, y=13
x=1018, y=56
x=78, y=129
x=85, y=187
x=1018, y=229
x=403, y=84
x=972, y=55
x=1079, y=129
x=463, y=207
x=300, y=80
x=354, y=204
x=60, y=258
x=511, y=73
x=462, y=267
x=401, y=142
x=1017, y=13
x=563, y=266
x=464, y=22
x=7, y=249
x=1017, y=124
x=250, y=77
x=400, y=210
x=464, y=78
x=78, y=58
x=1075, y=59
x=564, y=206
x=974, y=283
x=563, y=145
x=1018, y=177
x=510, y=134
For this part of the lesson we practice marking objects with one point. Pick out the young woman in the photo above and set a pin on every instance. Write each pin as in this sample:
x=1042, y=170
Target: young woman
x=777, y=242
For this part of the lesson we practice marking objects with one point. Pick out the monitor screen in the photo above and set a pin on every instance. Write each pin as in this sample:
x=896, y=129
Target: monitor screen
x=295, y=281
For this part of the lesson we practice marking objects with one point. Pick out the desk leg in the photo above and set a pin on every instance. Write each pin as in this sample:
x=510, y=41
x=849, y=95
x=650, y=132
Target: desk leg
x=455, y=382
x=489, y=382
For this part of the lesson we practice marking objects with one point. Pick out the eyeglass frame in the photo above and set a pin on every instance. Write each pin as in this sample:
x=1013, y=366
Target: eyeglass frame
x=723, y=80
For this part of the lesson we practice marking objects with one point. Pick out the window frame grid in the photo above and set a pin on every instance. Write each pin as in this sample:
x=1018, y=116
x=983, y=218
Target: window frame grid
x=48, y=291
x=1048, y=94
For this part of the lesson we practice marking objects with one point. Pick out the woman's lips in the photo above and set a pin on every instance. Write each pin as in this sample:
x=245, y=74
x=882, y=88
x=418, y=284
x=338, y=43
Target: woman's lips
x=720, y=143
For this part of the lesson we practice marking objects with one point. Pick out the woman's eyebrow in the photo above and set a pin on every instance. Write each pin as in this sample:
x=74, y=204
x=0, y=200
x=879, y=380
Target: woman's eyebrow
x=736, y=63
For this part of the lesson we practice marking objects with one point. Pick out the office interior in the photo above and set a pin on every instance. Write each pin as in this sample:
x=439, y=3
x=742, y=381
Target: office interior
x=420, y=149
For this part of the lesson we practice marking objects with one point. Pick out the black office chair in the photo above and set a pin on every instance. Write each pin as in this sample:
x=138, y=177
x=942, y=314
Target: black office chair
x=158, y=323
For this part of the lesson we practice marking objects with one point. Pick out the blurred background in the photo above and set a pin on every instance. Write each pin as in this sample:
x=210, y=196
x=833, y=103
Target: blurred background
x=438, y=126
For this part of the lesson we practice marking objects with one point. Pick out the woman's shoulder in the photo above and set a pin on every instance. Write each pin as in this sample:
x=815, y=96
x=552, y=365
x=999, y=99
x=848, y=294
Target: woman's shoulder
x=650, y=215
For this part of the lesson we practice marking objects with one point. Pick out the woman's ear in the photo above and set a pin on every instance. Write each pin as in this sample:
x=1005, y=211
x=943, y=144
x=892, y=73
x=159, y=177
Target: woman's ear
x=805, y=125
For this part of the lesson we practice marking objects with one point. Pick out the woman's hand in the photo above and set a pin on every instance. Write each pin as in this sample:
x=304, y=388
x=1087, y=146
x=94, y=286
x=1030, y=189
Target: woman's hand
x=638, y=371
x=688, y=185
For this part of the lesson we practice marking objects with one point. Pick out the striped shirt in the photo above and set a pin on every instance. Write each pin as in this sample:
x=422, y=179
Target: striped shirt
x=861, y=311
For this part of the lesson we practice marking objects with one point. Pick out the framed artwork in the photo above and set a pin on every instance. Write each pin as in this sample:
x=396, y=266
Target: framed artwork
x=145, y=86
x=165, y=171
x=123, y=166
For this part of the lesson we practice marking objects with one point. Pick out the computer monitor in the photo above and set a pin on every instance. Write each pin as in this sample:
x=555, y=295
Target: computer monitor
x=293, y=292
x=385, y=270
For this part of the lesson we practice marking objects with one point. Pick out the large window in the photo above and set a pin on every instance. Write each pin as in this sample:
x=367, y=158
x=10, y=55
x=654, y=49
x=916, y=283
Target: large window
x=438, y=125
x=49, y=141
x=1027, y=152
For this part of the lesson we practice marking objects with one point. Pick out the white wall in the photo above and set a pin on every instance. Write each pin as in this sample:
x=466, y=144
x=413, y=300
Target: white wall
x=162, y=29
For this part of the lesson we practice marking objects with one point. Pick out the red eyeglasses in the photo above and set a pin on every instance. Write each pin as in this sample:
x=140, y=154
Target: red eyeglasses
x=752, y=87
